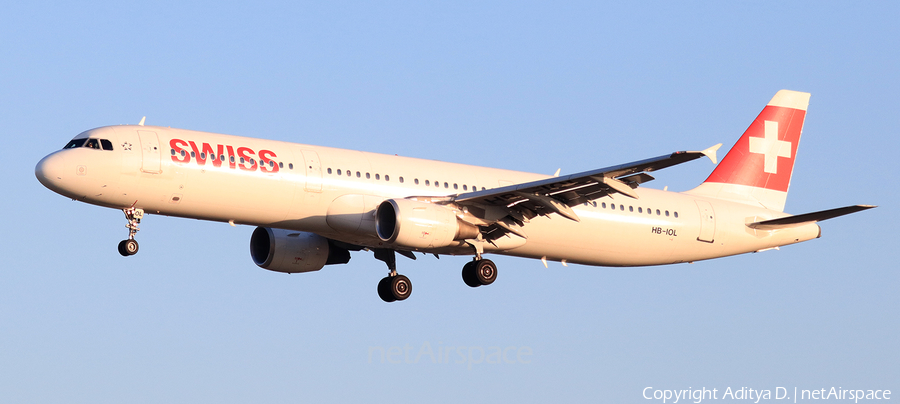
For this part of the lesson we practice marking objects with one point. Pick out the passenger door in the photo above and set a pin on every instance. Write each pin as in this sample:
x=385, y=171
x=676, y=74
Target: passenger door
x=150, y=152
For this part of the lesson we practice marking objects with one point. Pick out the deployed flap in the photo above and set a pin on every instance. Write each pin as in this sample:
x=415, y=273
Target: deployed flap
x=797, y=220
x=578, y=188
x=512, y=206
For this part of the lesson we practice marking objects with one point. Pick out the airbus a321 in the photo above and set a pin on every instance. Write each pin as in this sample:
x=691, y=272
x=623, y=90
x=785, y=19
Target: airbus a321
x=313, y=205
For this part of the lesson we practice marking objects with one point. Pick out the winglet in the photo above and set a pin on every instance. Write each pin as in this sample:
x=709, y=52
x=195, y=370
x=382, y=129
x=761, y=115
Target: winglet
x=711, y=153
x=141, y=123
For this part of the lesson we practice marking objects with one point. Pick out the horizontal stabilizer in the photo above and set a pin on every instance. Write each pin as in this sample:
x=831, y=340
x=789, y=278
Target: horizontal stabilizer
x=793, y=221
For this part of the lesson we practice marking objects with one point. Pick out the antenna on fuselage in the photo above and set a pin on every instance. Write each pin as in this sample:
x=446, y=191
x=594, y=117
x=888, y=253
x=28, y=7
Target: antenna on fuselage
x=141, y=123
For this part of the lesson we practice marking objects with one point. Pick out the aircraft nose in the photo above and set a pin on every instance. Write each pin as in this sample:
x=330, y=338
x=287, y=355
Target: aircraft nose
x=49, y=171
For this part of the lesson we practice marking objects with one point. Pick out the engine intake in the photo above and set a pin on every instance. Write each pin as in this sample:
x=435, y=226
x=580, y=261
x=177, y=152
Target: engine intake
x=416, y=224
x=291, y=251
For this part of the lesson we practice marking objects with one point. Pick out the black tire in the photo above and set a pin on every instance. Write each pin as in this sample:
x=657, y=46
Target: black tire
x=130, y=246
x=468, y=275
x=401, y=287
x=384, y=290
x=485, y=272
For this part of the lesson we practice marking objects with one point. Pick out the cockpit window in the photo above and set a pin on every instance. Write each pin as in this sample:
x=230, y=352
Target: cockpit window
x=99, y=144
x=75, y=143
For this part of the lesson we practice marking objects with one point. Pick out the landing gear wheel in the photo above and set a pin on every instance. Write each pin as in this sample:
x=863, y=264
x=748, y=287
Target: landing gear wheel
x=128, y=247
x=468, y=274
x=401, y=287
x=485, y=272
x=384, y=290
x=395, y=286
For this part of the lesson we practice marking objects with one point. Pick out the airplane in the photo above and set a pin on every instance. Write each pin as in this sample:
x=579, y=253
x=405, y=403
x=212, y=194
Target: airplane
x=313, y=205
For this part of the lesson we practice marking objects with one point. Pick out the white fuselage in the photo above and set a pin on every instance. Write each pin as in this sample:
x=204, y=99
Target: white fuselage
x=334, y=192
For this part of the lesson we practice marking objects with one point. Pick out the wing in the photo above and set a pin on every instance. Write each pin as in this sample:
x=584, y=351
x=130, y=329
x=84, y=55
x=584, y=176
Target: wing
x=507, y=209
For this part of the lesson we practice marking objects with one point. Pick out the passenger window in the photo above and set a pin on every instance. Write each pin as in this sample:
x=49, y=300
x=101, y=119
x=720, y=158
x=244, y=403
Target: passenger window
x=222, y=158
x=75, y=143
x=465, y=187
x=329, y=170
x=631, y=208
x=603, y=205
x=401, y=180
x=194, y=155
x=202, y=156
x=338, y=171
x=657, y=212
x=184, y=154
x=377, y=177
x=173, y=152
x=676, y=215
x=291, y=166
x=387, y=177
x=622, y=208
x=230, y=158
x=446, y=185
x=280, y=164
x=348, y=173
x=368, y=176
x=455, y=186
x=640, y=210
x=107, y=145
x=667, y=213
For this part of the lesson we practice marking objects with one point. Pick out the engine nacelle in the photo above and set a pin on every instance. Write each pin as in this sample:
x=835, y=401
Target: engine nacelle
x=415, y=224
x=293, y=251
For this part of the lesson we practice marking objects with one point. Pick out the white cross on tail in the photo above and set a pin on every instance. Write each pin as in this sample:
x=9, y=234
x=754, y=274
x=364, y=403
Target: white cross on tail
x=771, y=147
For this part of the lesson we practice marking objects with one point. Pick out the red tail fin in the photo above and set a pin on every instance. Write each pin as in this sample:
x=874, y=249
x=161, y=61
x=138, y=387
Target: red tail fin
x=758, y=168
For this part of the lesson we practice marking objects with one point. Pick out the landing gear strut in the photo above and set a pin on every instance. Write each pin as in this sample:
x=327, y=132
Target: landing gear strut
x=394, y=286
x=130, y=246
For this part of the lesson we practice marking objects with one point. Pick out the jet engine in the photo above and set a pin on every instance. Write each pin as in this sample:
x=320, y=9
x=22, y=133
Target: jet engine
x=291, y=251
x=416, y=224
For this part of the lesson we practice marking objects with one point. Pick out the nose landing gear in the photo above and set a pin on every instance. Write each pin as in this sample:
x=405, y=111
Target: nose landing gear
x=130, y=246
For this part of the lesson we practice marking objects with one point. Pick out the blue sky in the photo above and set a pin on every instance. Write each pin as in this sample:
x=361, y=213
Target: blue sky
x=532, y=86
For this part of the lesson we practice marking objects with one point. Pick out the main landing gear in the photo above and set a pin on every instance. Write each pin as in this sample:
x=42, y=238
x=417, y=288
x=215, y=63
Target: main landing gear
x=394, y=286
x=479, y=272
x=130, y=246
